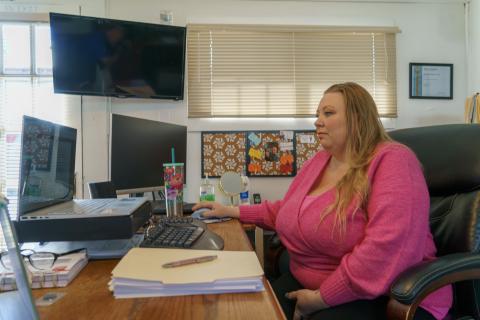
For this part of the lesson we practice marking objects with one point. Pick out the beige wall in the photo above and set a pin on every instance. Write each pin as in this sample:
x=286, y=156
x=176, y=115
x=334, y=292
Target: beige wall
x=431, y=31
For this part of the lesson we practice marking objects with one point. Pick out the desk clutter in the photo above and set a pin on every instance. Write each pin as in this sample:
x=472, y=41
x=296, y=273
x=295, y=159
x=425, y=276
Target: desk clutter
x=257, y=153
x=60, y=274
x=141, y=273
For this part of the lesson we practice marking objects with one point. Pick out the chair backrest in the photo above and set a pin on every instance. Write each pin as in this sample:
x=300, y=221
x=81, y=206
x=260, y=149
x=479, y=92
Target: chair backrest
x=104, y=189
x=450, y=155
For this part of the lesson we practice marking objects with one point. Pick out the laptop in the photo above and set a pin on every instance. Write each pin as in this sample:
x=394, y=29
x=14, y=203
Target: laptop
x=16, y=304
x=47, y=177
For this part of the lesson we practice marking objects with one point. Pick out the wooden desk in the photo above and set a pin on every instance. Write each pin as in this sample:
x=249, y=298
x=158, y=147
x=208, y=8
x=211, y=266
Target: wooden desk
x=87, y=296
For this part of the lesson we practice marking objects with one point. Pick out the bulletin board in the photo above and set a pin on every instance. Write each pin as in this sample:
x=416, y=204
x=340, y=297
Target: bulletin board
x=222, y=152
x=260, y=153
x=307, y=145
x=270, y=154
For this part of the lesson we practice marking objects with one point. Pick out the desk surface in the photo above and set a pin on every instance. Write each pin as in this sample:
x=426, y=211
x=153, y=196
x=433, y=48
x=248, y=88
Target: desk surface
x=87, y=296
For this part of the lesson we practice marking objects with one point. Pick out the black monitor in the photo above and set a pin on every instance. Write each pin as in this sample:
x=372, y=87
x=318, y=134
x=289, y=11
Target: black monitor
x=106, y=57
x=139, y=148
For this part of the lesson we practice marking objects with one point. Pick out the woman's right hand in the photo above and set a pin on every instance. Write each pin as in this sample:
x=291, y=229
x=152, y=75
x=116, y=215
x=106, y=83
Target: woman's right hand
x=217, y=210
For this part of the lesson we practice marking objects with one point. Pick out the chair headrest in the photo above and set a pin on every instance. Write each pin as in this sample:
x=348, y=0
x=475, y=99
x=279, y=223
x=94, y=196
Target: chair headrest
x=450, y=155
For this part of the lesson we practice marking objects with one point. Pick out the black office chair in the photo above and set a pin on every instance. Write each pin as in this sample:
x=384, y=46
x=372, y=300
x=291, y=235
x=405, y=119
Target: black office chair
x=104, y=189
x=450, y=155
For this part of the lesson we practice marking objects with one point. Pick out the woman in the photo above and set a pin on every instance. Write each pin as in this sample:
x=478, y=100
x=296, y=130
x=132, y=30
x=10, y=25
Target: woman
x=354, y=217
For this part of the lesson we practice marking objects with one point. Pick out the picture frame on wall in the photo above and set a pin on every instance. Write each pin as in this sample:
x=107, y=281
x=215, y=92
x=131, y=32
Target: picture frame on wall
x=431, y=80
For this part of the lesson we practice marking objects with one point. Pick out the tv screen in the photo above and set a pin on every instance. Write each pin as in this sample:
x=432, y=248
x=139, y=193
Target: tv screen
x=97, y=56
x=139, y=148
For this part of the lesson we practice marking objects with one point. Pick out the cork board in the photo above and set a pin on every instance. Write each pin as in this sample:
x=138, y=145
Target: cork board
x=307, y=144
x=222, y=151
x=270, y=154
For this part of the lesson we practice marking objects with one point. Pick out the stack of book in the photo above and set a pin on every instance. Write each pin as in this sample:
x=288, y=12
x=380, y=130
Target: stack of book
x=141, y=273
x=63, y=271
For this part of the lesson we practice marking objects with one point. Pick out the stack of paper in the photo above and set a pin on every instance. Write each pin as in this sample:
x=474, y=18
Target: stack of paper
x=140, y=273
x=63, y=271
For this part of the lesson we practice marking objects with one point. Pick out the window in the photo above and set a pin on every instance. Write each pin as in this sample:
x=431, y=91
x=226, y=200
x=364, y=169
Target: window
x=275, y=71
x=26, y=88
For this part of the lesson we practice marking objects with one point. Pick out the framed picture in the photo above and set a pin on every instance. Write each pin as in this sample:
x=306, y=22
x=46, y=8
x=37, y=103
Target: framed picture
x=431, y=81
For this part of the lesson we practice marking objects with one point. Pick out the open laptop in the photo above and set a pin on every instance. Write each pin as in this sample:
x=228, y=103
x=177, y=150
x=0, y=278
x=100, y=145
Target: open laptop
x=47, y=177
x=16, y=304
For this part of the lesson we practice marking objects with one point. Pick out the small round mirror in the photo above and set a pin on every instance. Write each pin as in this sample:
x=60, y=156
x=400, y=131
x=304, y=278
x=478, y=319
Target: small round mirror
x=231, y=184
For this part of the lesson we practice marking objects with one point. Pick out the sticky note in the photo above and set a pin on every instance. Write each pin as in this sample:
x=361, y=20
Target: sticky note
x=284, y=146
x=255, y=154
x=254, y=139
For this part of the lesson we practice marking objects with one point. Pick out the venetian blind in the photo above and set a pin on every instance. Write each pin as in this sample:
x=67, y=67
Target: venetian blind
x=279, y=71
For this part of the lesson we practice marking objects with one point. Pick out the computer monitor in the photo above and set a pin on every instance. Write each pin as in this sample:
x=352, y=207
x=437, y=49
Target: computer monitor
x=139, y=148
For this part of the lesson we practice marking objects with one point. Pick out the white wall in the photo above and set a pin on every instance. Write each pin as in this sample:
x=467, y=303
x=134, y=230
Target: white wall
x=474, y=45
x=430, y=32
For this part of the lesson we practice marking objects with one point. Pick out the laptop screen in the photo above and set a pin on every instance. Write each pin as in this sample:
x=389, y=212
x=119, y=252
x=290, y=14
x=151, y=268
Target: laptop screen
x=47, y=164
x=16, y=304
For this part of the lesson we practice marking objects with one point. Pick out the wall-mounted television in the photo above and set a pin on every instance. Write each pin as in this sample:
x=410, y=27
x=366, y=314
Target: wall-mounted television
x=106, y=57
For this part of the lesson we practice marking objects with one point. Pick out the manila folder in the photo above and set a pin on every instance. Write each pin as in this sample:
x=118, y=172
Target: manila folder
x=145, y=264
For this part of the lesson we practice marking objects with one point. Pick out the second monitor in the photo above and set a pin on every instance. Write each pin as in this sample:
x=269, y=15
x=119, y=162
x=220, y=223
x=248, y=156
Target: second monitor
x=139, y=148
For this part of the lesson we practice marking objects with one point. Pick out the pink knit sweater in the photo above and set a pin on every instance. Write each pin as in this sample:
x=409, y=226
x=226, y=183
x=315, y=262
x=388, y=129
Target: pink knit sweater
x=362, y=263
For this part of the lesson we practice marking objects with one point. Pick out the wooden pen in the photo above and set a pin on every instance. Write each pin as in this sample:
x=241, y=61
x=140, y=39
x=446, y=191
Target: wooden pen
x=185, y=262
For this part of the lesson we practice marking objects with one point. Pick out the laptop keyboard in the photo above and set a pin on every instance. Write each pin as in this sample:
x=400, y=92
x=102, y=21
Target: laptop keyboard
x=175, y=232
x=89, y=206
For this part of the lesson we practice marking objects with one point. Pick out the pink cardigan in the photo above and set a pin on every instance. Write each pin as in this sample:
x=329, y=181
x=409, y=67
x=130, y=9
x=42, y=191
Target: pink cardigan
x=364, y=263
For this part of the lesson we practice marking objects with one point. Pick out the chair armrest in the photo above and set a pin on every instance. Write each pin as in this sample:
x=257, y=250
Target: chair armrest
x=274, y=265
x=414, y=284
x=444, y=270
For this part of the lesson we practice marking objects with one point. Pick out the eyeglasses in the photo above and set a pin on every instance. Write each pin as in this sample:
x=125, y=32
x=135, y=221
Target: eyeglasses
x=38, y=260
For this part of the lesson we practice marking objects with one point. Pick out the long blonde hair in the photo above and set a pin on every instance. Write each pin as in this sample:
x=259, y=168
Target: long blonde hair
x=364, y=133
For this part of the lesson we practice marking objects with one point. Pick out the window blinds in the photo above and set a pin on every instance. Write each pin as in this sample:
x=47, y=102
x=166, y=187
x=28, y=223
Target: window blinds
x=31, y=96
x=26, y=88
x=279, y=71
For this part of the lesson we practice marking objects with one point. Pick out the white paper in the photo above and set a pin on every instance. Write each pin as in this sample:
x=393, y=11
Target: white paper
x=286, y=135
x=307, y=138
x=140, y=273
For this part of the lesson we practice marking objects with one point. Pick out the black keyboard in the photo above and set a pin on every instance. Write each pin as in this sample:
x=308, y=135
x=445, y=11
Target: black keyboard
x=174, y=232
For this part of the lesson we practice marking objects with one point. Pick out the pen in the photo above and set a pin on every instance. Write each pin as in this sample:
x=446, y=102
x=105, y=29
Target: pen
x=185, y=262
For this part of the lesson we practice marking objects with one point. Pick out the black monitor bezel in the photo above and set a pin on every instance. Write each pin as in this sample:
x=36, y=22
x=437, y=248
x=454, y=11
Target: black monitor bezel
x=120, y=189
x=126, y=95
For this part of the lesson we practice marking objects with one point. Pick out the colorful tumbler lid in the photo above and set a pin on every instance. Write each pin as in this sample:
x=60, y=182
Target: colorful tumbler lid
x=173, y=164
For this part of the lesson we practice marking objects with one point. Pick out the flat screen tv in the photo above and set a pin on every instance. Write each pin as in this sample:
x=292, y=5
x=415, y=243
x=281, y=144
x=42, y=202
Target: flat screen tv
x=106, y=57
x=139, y=148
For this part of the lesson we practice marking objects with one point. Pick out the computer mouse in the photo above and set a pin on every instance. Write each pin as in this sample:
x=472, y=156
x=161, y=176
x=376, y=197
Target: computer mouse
x=198, y=214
